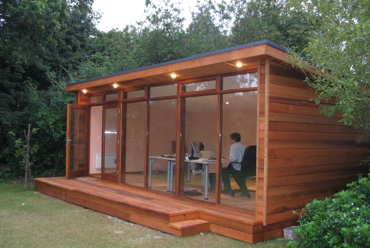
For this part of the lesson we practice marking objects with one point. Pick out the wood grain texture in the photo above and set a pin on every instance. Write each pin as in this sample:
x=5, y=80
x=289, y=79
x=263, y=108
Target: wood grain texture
x=310, y=156
x=172, y=215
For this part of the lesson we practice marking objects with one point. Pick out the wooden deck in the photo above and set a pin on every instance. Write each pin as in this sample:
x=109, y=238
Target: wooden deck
x=179, y=217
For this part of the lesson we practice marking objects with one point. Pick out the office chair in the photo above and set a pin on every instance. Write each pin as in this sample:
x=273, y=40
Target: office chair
x=248, y=169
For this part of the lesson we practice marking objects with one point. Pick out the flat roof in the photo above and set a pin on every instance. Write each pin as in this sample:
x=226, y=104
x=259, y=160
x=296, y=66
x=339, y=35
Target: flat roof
x=187, y=67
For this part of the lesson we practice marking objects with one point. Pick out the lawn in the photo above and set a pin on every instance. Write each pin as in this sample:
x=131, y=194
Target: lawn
x=31, y=219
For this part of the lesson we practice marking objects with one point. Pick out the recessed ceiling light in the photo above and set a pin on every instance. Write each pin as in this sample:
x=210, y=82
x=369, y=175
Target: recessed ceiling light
x=173, y=75
x=115, y=86
x=84, y=91
x=227, y=103
x=239, y=64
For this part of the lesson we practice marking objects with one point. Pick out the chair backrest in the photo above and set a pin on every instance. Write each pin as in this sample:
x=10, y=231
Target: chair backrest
x=249, y=161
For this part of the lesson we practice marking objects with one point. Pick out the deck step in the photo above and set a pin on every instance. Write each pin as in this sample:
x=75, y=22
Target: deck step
x=190, y=227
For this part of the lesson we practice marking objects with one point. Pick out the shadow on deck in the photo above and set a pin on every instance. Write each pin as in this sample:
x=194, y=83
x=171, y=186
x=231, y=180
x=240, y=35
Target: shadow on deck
x=165, y=213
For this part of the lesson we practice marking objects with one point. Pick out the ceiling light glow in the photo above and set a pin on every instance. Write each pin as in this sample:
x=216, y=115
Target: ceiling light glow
x=84, y=91
x=115, y=86
x=239, y=64
x=173, y=75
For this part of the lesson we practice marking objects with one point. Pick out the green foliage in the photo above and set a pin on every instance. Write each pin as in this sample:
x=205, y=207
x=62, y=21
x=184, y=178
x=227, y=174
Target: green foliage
x=273, y=20
x=111, y=52
x=203, y=33
x=48, y=44
x=20, y=145
x=162, y=33
x=49, y=116
x=341, y=221
x=339, y=53
x=41, y=42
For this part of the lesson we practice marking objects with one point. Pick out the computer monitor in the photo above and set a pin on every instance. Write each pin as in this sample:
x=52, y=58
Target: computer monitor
x=196, y=147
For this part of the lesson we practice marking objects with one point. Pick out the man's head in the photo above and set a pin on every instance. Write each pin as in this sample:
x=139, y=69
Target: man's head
x=235, y=137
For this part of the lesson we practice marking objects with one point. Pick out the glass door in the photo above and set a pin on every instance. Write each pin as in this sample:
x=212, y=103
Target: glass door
x=76, y=141
x=199, y=172
x=109, y=143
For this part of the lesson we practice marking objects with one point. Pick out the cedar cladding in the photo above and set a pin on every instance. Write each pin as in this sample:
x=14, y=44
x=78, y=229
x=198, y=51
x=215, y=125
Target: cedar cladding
x=310, y=156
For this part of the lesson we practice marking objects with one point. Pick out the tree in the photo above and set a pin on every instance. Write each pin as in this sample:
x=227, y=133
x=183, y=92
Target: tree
x=41, y=43
x=203, y=34
x=339, y=53
x=162, y=34
x=112, y=52
x=255, y=20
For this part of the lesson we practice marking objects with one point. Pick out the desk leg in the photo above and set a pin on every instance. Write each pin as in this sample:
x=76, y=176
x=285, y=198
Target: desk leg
x=206, y=186
x=170, y=167
x=151, y=163
x=188, y=172
x=173, y=163
x=169, y=176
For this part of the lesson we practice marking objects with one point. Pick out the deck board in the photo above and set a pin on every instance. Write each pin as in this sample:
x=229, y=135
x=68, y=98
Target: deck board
x=155, y=210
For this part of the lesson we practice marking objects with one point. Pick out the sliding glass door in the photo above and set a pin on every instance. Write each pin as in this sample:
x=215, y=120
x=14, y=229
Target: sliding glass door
x=109, y=144
x=134, y=126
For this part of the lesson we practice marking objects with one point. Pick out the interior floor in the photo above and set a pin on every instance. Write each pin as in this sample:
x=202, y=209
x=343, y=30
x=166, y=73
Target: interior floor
x=194, y=189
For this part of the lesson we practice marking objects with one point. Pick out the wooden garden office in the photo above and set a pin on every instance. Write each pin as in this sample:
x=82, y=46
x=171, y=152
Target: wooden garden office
x=128, y=134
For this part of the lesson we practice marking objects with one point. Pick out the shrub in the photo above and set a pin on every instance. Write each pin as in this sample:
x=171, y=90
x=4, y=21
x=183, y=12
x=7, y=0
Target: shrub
x=340, y=221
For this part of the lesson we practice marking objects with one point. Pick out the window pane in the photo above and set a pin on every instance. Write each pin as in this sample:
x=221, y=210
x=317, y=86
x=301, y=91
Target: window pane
x=239, y=115
x=134, y=128
x=248, y=80
x=111, y=97
x=96, y=120
x=166, y=90
x=200, y=141
x=162, y=144
x=95, y=99
x=200, y=86
x=108, y=166
x=134, y=94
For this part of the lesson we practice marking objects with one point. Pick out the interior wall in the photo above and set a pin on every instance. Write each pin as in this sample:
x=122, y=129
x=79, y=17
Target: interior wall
x=96, y=125
x=240, y=115
x=135, y=136
x=162, y=130
x=201, y=127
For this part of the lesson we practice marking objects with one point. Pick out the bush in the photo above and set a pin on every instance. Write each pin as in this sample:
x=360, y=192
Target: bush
x=340, y=221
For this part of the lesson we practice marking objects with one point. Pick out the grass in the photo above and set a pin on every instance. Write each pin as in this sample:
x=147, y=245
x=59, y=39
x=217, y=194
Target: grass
x=31, y=219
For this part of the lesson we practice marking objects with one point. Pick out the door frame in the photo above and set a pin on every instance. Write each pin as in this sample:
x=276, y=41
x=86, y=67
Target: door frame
x=79, y=172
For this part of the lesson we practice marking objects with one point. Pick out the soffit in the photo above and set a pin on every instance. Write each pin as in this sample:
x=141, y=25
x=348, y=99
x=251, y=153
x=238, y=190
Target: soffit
x=210, y=65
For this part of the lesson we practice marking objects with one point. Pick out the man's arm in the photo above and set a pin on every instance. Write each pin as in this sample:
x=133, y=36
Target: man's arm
x=233, y=156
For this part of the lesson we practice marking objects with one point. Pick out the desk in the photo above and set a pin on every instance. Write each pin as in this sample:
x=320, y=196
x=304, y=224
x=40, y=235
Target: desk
x=171, y=162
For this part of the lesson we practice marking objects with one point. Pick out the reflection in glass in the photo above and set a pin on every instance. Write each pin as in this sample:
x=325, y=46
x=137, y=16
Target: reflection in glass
x=200, y=127
x=95, y=99
x=134, y=128
x=109, y=168
x=77, y=143
x=239, y=114
x=134, y=94
x=165, y=90
x=241, y=81
x=201, y=86
x=111, y=97
x=162, y=143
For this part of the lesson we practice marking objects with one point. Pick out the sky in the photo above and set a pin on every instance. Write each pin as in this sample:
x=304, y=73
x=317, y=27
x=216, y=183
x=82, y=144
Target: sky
x=119, y=13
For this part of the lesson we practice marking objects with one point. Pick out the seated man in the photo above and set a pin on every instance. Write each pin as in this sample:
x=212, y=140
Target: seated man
x=237, y=149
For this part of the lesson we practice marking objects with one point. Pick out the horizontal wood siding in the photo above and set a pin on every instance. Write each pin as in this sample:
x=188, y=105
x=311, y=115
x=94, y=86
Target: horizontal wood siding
x=310, y=156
